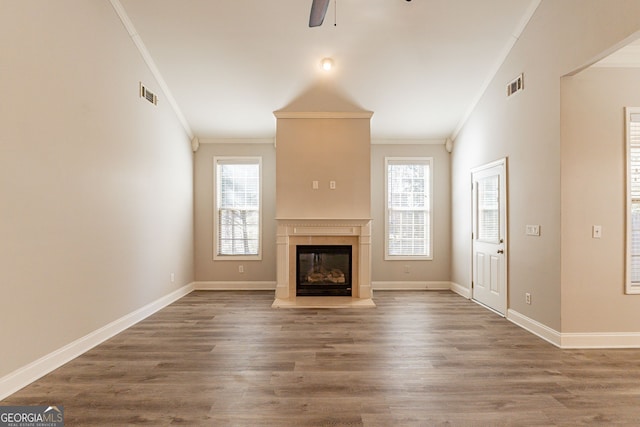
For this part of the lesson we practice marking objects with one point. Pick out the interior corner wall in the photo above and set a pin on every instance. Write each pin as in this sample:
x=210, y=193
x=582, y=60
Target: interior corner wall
x=206, y=269
x=560, y=38
x=96, y=183
x=437, y=269
x=593, y=193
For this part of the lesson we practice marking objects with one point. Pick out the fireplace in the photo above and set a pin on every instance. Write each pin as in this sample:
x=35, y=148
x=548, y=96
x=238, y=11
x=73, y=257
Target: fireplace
x=352, y=233
x=323, y=270
x=324, y=197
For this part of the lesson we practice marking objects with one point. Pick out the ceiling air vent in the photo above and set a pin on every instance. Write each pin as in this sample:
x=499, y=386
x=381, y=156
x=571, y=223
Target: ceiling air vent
x=515, y=85
x=148, y=95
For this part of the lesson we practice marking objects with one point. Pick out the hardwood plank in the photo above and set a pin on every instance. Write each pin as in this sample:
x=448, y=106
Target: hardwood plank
x=416, y=359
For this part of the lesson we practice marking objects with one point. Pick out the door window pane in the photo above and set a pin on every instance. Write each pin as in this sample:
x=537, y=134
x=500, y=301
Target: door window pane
x=489, y=209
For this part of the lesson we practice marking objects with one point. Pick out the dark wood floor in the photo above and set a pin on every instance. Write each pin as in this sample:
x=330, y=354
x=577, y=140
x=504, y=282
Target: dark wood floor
x=418, y=359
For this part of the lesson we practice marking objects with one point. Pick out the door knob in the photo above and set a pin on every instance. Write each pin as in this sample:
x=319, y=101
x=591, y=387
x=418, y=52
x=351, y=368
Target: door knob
x=500, y=251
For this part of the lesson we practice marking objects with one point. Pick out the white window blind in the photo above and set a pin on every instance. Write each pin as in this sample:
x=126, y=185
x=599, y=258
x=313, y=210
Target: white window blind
x=633, y=200
x=408, y=208
x=237, y=207
x=489, y=209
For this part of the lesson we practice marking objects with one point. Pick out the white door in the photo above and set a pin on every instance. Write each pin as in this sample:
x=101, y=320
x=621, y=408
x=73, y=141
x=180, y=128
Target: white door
x=489, y=238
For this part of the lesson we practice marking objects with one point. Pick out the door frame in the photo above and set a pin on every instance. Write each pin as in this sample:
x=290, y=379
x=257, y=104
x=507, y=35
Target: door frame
x=504, y=163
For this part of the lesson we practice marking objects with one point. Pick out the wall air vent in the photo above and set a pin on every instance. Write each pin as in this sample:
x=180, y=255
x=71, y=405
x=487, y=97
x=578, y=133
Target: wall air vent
x=148, y=95
x=515, y=85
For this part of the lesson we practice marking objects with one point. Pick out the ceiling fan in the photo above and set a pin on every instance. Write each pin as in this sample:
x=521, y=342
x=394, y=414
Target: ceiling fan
x=318, y=11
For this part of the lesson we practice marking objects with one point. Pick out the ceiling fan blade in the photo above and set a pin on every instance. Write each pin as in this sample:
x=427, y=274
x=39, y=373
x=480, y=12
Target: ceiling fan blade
x=318, y=10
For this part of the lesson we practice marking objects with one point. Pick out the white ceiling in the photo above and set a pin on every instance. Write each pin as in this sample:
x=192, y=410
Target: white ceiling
x=419, y=66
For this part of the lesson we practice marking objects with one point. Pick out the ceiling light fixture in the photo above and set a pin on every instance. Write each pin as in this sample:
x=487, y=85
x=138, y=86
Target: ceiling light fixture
x=327, y=64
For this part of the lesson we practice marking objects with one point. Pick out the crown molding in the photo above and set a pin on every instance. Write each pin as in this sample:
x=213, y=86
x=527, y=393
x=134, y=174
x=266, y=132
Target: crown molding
x=146, y=56
x=323, y=114
x=506, y=50
x=237, y=140
x=399, y=141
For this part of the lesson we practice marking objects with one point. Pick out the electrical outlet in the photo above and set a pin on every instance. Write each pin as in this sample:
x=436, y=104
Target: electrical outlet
x=596, y=232
x=406, y=269
x=314, y=185
x=527, y=298
x=332, y=185
x=241, y=269
x=173, y=277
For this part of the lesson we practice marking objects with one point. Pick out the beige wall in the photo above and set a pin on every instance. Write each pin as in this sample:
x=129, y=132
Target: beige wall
x=95, y=183
x=206, y=269
x=437, y=269
x=526, y=129
x=593, y=192
x=323, y=150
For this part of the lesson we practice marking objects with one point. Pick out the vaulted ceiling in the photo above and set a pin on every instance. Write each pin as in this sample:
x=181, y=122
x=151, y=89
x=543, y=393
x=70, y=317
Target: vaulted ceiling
x=419, y=65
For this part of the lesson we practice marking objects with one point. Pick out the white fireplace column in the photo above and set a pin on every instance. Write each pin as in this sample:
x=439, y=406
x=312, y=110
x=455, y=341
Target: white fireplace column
x=313, y=231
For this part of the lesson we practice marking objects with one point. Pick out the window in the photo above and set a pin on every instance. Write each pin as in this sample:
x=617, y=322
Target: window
x=633, y=201
x=408, y=208
x=237, y=224
x=489, y=209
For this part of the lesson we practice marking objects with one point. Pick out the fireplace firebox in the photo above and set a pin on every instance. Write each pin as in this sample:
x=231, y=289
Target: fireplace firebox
x=323, y=270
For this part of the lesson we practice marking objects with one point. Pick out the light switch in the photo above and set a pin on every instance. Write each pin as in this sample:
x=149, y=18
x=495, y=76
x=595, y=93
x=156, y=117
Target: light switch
x=533, y=230
x=314, y=185
x=596, y=232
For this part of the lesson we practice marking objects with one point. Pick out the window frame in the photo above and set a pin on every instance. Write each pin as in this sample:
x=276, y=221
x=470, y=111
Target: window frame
x=428, y=161
x=630, y=286
x=217, y=161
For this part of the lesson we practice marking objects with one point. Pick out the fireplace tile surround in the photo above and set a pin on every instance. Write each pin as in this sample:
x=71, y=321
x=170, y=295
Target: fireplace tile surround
x=293, y=232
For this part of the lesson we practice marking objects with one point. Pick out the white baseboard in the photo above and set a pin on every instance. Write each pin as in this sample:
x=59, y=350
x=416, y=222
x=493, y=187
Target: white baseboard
x=543, y=331
x=235, y=286
x=461, y=290
x=575, y=340
x=601, y=340
x=410, y=286
x=27, y=374
x=271, y=286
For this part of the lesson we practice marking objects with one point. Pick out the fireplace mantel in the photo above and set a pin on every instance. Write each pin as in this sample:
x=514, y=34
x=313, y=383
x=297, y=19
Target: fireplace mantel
x=295, y=231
